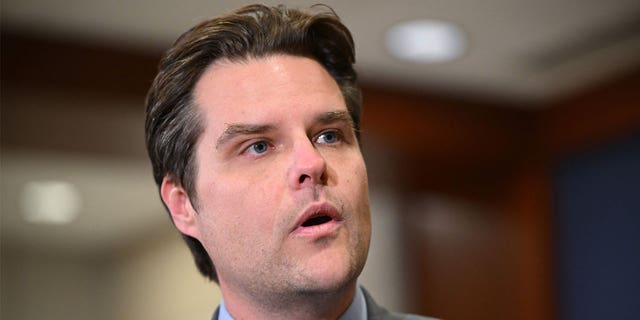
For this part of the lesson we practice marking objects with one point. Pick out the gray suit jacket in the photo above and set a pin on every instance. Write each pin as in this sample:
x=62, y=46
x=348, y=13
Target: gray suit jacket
x=374, y=312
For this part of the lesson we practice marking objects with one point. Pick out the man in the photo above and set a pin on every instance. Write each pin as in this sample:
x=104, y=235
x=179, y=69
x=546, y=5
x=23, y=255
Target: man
x=252, y=130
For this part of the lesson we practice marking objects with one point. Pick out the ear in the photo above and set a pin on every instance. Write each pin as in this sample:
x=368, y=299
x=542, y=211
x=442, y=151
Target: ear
x=180, y=208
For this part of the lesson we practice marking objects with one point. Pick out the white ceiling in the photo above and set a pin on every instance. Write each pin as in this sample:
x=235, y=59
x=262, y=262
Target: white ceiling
x=521, y=51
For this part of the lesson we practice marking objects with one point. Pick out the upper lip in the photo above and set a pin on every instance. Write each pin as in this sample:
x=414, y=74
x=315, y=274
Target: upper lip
x=319, y=209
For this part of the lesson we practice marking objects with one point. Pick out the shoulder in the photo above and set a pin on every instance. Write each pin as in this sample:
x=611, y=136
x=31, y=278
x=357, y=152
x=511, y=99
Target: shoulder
x=376, y=312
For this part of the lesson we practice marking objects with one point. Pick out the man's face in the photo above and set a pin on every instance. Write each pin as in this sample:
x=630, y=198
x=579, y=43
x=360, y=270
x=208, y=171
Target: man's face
x=281, y=184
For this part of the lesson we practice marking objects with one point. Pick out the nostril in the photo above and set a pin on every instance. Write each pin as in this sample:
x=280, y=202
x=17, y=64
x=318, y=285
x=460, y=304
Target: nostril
x=303, y=178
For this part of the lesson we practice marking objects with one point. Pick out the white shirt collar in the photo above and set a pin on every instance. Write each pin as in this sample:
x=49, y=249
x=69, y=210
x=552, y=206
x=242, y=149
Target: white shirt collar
x=356, y=311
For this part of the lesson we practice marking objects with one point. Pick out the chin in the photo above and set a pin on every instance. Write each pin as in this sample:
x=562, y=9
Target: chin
x=331, y=275
x=335, y=265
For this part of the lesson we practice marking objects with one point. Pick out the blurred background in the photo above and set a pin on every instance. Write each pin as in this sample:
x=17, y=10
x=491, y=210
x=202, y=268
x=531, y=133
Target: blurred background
x=502, y=140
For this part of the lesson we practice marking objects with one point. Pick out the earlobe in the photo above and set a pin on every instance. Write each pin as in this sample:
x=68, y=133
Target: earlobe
x=182, y=212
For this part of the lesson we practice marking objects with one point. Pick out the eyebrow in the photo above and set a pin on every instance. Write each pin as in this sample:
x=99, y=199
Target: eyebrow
x=234, y=130
x=335, y=116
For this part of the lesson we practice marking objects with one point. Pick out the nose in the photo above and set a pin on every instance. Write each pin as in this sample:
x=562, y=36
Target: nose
x=308, y=167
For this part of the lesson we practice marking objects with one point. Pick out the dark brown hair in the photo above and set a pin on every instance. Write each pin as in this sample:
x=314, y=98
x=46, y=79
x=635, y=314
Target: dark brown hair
x=173, y=124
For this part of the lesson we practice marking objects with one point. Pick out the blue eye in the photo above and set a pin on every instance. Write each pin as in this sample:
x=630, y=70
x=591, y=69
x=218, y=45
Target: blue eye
x=258, y=147
x=329, y=137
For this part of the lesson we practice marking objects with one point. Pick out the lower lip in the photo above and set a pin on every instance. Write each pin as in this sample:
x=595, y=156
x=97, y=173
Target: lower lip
x=318, y=231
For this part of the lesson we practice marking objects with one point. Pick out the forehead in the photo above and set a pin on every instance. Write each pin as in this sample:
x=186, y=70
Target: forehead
x=259, y=88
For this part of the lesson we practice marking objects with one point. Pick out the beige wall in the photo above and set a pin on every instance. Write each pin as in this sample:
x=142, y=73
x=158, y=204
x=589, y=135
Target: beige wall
x=46, y=285
x=160, y=281
x=383, y=274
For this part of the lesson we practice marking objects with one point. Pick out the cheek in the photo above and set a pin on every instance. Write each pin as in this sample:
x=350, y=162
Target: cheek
x=352, y=183
x=359, y=186
x=228, y=227
x=241, y=203
x=355, y=174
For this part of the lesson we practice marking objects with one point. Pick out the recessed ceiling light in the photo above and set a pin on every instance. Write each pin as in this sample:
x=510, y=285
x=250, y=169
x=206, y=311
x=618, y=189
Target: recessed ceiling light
x=426, y=41
x=53, y=202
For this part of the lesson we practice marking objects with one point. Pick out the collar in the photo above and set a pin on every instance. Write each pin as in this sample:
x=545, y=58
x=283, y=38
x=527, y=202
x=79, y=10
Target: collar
x=356, y=311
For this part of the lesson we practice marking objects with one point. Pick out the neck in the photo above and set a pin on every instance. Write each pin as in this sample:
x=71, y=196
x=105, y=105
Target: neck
x=299, y=305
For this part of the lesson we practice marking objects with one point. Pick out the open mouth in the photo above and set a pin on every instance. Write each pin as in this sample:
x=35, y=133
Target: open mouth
x=316, y=220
